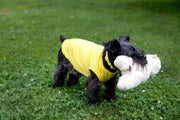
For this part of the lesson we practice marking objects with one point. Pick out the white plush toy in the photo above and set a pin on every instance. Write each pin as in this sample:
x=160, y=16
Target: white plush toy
x=134, y=74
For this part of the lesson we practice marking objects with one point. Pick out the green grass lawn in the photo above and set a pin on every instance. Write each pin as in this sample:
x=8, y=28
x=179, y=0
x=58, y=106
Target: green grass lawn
x=29, y=43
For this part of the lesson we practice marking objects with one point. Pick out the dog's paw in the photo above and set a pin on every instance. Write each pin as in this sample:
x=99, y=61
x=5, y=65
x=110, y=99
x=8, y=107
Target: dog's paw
x=56, y=85
x=53, y=85
x=93, y=101
x=109, y=96
x=71, y=83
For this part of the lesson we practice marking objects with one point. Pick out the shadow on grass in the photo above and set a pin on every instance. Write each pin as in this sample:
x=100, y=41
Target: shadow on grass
x=170, y=7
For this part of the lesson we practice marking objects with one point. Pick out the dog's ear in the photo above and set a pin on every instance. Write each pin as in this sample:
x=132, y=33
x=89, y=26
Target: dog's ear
x=112, y=46
x=124, y=38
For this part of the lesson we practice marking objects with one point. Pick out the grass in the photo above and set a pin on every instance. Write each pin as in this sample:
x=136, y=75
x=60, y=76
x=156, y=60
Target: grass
x=29, y=42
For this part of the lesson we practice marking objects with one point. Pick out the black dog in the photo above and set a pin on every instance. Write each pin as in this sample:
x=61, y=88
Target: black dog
x=110, y=51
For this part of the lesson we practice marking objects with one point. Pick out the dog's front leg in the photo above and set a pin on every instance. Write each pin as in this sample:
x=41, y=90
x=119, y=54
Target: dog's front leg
x=93, y=88
x=110, y=89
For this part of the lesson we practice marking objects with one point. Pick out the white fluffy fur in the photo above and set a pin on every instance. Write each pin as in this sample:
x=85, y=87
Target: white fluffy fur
x=133, y=74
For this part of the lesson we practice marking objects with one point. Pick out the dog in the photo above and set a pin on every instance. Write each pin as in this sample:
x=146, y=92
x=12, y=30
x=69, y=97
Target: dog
x=96, y=62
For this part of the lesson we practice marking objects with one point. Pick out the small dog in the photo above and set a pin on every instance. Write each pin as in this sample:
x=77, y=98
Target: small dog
x=96, y=62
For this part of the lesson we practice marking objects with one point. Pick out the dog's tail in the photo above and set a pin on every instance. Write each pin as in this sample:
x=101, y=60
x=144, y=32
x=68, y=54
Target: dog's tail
x=62, y=38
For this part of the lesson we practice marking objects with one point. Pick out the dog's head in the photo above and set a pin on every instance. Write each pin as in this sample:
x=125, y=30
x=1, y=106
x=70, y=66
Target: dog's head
x=115, y=48
x=130, y=50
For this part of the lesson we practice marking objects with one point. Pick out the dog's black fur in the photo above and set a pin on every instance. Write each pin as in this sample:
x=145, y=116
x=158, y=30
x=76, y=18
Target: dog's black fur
x=130, y=50
x=114, y=48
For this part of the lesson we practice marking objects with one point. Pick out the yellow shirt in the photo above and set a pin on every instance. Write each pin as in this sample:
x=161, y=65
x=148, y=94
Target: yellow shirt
x=85, y=56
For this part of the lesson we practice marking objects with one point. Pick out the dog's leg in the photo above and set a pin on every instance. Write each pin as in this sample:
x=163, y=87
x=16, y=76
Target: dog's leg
x=61, y=70
x=73, y=78
x=60, y=74
x=93, y=88
x=110, y=85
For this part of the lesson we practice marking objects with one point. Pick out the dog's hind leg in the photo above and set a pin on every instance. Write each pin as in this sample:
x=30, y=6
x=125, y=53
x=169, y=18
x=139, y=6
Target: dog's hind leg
x=61, y=70
x=93, y=88
x=60, y=74
x=110, y=87
x=73, y=77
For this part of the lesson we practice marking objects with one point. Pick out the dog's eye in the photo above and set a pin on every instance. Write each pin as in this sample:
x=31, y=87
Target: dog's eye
x=133, y=49
x=151, y=53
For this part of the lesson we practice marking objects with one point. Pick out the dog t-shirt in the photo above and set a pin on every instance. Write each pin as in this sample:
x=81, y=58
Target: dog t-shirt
x=85, y=56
